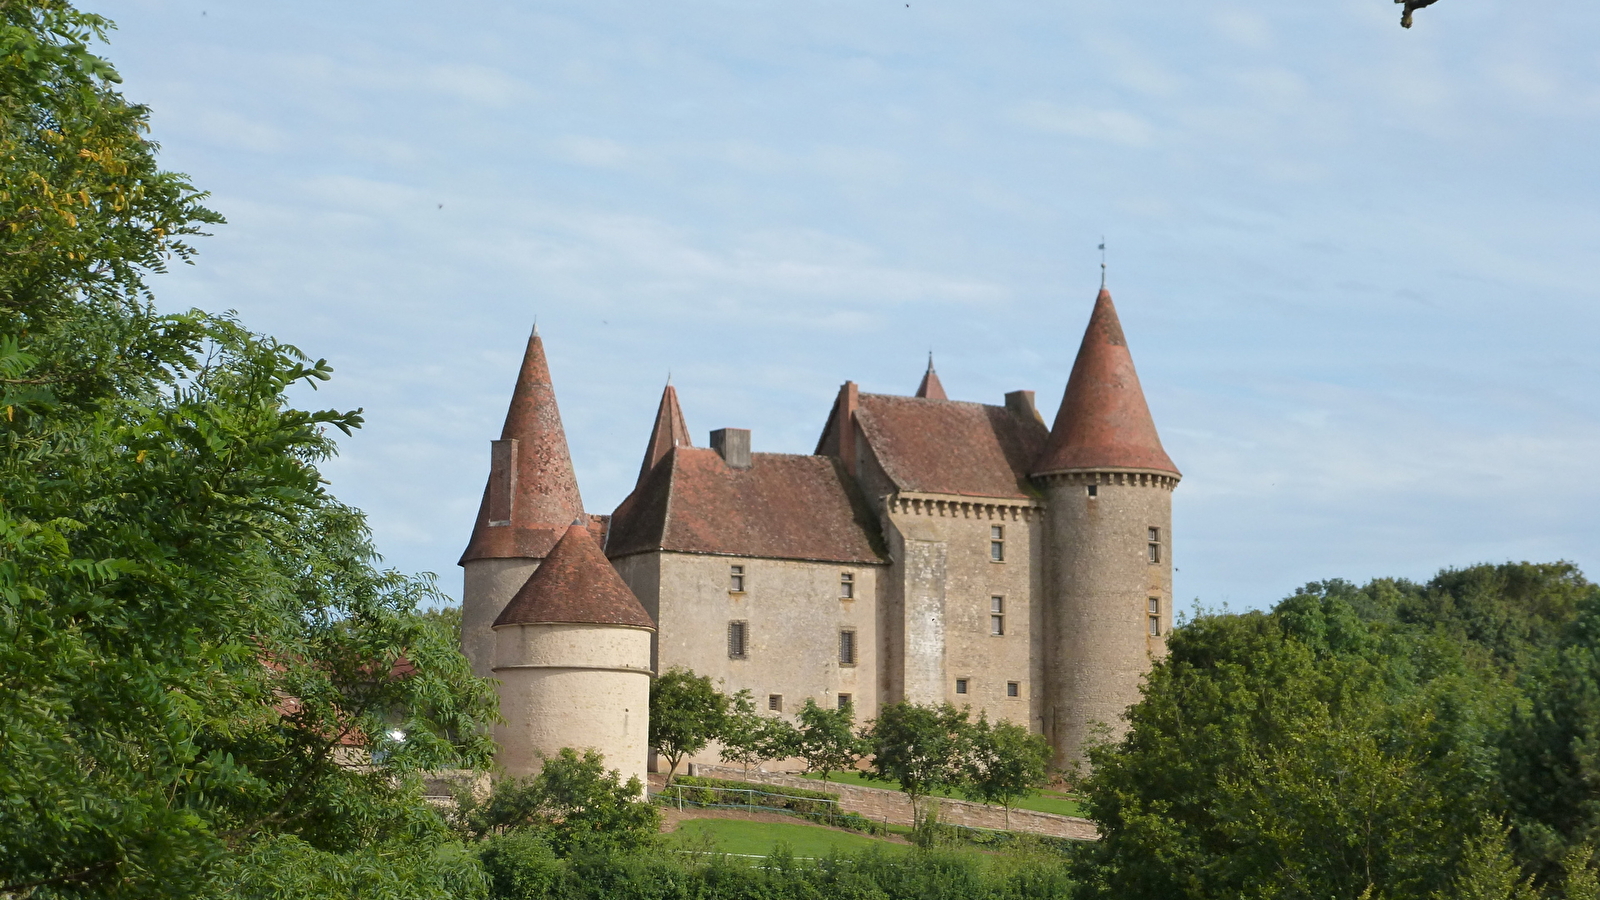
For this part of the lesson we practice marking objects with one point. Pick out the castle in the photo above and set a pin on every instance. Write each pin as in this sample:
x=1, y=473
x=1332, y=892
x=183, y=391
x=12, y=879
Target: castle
x=930, y=550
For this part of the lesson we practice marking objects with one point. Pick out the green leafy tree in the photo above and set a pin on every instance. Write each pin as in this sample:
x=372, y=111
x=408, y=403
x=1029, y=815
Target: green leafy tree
x=920, y=748
x=207, y=685
x=686, y=713
x=573, y=803
x=1004, y=762
x=750, y=738
x=826, y=738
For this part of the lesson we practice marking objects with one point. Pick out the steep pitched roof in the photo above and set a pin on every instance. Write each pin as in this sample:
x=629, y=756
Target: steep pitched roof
x=930, y=388
x=951, y=447
x=784, y=506
x=544, y=496
x=1104, y=422
x=575, y=585
x=668, y=432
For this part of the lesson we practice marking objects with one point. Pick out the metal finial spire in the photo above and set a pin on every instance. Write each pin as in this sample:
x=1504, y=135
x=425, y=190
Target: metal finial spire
x=535, y=326
x=1102, y=262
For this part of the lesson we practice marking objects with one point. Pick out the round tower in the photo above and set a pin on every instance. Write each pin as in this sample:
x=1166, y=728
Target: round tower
x=1108, y=562
x=572, y=652
x=531, y=495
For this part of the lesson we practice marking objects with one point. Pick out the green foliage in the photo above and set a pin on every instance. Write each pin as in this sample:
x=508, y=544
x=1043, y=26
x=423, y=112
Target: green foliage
x=520, y=866
x=1003, y=763
x=200, y=662
x=750, y=738
x=573, y=805
x=686, y=714
x=826, y=738
x=1354, y=742
x=921, y=748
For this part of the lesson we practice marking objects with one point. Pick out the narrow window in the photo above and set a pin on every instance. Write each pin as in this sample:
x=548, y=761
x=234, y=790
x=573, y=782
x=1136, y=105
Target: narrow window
x=738, y=640
x=844, y=701
x=961, y=685
x=736, y=579
x=997, y=543
x=1155, y=616
x=1094, y=491
x=1155, y=546
x=775, y=702
x=847, y=648
x=847, y=585
x=997, y=615
x=1013, y=689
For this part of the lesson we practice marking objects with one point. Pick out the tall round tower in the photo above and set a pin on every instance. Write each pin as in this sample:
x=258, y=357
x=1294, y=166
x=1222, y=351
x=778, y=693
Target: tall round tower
x=531, y=495
x=1108, y=561
x=572, y=652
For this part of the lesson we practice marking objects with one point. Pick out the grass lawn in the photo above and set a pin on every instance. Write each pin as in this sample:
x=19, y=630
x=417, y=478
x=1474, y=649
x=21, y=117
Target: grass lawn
x=1040, y=801
x=758, y=838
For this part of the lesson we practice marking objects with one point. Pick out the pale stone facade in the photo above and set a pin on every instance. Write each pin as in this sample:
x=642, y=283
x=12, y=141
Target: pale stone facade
x=929, y=551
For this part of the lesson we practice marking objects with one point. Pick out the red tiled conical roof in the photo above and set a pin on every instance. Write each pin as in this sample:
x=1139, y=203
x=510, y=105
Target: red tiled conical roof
x=930, y=388
x=575, y=585
x=545, y=498
x=1104, y=422
x=669, y=431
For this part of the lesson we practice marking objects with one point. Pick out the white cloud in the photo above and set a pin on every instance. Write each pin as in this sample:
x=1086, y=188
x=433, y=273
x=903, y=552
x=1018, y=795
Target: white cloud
x=1115, y=126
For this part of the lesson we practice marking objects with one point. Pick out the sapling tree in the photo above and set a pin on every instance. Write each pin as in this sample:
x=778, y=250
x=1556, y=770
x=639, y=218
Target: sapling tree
x=826, y=738
x=686, y=713
x=1004, y=762
x=920, y=748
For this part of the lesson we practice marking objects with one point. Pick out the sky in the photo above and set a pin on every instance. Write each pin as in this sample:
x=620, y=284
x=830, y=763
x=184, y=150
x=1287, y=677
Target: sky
x=1358, y=266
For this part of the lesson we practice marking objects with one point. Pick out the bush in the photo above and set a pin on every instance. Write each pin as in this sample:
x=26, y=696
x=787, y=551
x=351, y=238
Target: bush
x=573, y=803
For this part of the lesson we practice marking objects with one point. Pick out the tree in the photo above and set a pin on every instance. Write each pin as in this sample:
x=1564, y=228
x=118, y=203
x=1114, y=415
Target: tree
x=826, y=738
x=573, y=803
x=1004, y=763
x=918, y=747
x=749, y=738
x=686, y=714
x=196, y=642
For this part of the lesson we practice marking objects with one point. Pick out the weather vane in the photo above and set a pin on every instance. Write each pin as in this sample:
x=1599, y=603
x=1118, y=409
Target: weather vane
x=1102, y=262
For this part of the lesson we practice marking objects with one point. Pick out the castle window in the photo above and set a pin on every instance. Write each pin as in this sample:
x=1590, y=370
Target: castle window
x=1155, y=616
x=997, y=543
x=775, y=702
x=847, y=585
x=1094, y=491
x=738, y=640
x=844, y=701
x=736, y=579
x=961, y=685
x=1155, y=546
x=997, y=615
x=847, y=647
x=1013, y=689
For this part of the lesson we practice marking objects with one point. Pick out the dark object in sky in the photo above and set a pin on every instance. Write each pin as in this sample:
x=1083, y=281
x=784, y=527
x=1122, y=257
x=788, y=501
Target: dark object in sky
x=1411, y=6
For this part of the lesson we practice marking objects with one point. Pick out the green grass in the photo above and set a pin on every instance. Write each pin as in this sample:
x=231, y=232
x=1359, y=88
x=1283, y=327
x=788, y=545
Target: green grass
x=758, y=838
x=1039, y=801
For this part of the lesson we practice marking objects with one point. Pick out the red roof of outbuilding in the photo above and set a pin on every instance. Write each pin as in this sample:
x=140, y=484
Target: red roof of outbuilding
x=930, y=388
x=949, y=446
x=669, y=431
x=546, y=498
x=1104, y=422
x=784, y=506
x=575, y=585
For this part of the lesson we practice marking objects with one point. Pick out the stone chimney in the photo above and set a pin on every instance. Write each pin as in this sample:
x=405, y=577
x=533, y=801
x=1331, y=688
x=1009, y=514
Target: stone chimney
x=1021, y=405
x=733, y=445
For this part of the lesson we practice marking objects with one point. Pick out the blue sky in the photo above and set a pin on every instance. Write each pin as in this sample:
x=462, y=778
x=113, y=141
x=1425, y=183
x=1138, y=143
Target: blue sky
x=1359, y=267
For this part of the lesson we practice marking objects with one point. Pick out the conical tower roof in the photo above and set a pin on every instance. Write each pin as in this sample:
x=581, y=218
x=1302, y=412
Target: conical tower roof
x=669, y=431
x=575, y=585
x=1104, y=422
x=930, y=388
x=544, y=492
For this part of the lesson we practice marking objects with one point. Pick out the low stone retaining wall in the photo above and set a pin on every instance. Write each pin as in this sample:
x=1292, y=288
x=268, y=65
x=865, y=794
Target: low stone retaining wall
x=892, y=807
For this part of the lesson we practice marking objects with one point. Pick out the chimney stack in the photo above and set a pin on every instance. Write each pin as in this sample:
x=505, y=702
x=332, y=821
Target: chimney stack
x=733, y=445
x=1021, y=404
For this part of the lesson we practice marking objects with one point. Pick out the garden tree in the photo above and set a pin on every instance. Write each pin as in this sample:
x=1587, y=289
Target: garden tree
x=749, y=738
x=826, y=738
x=1004, y=762
x=920, y=748
x=686, y=714
x=573, y=804
x=1320, y=750
x=194, y=637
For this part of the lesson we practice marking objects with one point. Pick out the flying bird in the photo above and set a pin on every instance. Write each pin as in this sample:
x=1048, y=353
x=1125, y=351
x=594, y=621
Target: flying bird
x=1412, y=6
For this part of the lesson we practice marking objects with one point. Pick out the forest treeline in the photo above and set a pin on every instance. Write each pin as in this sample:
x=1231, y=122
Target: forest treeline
x=210, y=687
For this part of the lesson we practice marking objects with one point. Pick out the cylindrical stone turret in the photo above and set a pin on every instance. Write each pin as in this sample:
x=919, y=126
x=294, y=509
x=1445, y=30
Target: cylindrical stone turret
x=572, y=652
x=1108, y=494
x=531, y=495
